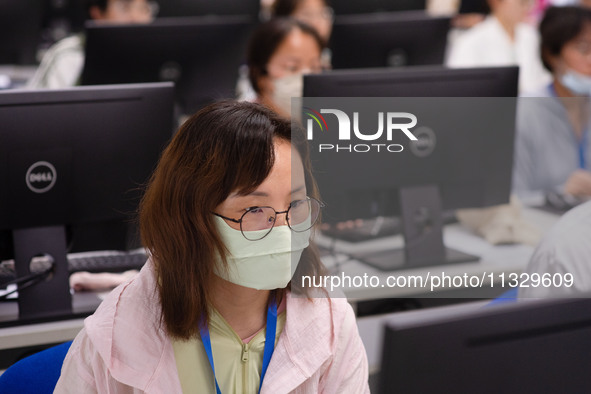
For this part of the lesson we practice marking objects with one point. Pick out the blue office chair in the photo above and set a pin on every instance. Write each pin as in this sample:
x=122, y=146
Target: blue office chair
x=508, y=296
x=36, y=374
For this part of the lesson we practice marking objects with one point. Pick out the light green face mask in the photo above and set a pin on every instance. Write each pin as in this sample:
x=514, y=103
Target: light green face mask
x=266, y=264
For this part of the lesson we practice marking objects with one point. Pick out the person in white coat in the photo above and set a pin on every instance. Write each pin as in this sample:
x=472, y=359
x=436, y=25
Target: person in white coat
x=503, y=39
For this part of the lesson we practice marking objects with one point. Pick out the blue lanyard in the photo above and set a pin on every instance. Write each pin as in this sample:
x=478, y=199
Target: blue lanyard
x=582, y=143
x=583, y=150
x=267, y=352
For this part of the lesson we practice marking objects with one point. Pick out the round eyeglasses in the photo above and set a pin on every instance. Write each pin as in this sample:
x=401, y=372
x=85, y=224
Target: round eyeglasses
x=257, y=222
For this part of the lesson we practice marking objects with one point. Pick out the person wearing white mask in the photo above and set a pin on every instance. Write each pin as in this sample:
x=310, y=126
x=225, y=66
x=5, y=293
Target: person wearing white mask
x=502, y=39
x=226, y=217
x=280, y=52
x=553, y=149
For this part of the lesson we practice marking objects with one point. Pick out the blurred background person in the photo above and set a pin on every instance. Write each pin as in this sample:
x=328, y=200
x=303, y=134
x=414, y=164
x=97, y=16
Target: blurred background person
x=62, y=65
x=316, y=13
x=565, y=249
x=502, y=39
x=280, y=52
x=552, y=152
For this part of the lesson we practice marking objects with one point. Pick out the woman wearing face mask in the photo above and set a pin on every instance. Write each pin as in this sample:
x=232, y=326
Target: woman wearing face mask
x=553, y=149
x=279, y=53
x=227, y=214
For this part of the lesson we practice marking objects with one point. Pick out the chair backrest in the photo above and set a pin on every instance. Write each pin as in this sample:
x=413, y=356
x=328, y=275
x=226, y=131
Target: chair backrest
x=508, y=296
x=37, y=373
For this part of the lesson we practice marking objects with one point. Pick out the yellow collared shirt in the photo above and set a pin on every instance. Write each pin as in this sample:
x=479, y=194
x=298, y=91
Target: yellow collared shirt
x=238, y=365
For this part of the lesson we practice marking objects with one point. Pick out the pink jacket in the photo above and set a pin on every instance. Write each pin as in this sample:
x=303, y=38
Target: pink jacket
x=123, y=348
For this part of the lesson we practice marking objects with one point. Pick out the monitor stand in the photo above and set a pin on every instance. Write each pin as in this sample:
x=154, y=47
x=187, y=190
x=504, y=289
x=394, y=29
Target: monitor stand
x=422, y=227
x=50, y=296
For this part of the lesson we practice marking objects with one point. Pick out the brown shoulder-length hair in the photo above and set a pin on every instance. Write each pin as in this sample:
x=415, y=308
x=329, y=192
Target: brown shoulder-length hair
x=226, y=147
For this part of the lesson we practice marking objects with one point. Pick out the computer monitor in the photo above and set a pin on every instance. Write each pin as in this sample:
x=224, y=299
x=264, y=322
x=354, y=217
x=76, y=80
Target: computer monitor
x=73, y=161
x=343, y=7
x=474, y=7
x=388, y=40
x=201, y=55
x=425, y=81
x=463, y=156
x=20, y=29
x=532, y=346
x=170, y=8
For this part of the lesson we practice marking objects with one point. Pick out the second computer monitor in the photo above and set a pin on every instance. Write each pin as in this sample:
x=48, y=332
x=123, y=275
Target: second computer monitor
x=465, y=122
x=176, y=8
x=20, y=29
x=474, y=7
x=200, y=55
x=73, y=164
x=524, y=347
x=342, y=7
x=388, y=40
x=427, y=81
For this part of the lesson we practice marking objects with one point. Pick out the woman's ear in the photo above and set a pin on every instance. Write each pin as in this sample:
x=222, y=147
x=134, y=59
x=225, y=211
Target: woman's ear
x=265, y=84
x=552, y=60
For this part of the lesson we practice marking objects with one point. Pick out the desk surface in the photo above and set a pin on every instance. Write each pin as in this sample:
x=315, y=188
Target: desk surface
x=371, y=329
x=494, y=261
x=15, y=336
x=16, y=75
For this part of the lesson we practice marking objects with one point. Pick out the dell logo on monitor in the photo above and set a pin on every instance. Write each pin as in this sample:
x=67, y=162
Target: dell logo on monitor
x=425, y=143
x=41, y=177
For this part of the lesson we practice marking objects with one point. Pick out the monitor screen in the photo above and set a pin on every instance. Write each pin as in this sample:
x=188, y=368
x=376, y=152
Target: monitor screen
x=474, y=7
x=388, y=40
x=426, y=81
x=342, y=7
x=20, y=29
x=74, y=162
x=186, y=51
x=525, y=347
x=463, y=156
x=207, y=7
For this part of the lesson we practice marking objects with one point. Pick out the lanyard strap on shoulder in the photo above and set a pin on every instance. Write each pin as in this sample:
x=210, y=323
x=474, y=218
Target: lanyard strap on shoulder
x=269, y=338
x=583, y=150
x=271, y=330
x=204, y=331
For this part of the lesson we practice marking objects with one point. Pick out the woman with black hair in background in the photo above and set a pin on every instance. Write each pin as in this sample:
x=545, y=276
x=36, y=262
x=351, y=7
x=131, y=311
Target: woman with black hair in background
x=553, y=148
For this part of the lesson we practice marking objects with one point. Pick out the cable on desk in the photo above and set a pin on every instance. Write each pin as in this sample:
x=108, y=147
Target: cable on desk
x=26, y=281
